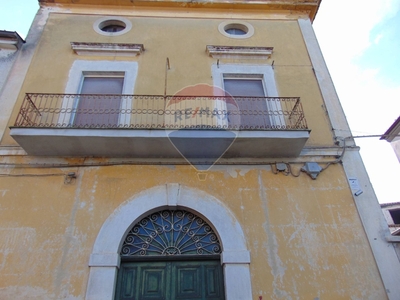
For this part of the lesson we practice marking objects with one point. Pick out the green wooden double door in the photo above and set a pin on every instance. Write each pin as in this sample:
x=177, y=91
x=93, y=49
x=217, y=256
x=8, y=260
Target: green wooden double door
x=170, y=280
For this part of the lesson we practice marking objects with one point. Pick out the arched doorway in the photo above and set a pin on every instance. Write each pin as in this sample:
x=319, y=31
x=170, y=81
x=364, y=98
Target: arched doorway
x=170, y=254
x=105, y=258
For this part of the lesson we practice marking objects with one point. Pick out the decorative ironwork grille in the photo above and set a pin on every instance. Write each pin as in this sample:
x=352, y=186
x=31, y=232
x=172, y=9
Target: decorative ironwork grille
x=160, y=112
x=171, y=232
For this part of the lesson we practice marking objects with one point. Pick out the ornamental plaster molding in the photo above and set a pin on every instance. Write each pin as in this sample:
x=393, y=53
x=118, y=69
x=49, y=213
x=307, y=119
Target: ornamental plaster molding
x=107, y=49
x=239, y=52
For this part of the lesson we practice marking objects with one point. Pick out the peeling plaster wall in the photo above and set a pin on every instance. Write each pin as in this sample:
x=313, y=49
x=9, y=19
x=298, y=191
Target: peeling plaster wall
x=189, y=62
x=305, y=237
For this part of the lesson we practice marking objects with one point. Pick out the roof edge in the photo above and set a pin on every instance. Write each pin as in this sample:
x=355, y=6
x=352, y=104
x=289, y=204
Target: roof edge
x=309, y=7
x=10, y=40
x=392, y=132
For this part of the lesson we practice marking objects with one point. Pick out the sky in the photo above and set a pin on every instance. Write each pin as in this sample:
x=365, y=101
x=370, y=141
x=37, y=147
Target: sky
x=360, y=40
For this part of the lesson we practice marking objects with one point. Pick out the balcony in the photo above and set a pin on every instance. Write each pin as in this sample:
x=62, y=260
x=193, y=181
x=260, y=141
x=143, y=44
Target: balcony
x=140, y=126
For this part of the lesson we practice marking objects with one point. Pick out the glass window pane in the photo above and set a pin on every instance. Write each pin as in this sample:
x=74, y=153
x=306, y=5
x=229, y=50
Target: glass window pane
x=244, y=87
x=102, y=85
x=235, y=31
x=113, y=28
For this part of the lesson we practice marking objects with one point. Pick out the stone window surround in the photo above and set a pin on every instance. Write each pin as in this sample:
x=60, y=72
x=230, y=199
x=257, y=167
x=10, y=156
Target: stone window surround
x=80, y=68
x=105, y=260
x=231, y=23
x=266, y=72
x=110, y=19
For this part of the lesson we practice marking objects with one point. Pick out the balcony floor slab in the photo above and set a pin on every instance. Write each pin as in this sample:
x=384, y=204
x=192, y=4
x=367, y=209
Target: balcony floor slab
x=195, y=144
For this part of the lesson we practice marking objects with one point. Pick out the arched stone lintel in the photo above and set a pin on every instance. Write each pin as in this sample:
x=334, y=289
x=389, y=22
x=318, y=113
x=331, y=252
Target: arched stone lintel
x=104, y=260
x=119, y=222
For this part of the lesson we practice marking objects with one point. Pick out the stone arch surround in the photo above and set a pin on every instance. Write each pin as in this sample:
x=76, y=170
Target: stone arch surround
x=105, y=260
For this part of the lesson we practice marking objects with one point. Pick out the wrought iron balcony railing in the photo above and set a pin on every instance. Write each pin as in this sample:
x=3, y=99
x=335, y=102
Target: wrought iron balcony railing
x=160, y=112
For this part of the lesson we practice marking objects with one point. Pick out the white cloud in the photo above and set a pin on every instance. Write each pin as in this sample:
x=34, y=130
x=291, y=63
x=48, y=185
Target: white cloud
x=369, y=106
x=343, y=29
x=346, y=24
x=378, y=38
x=383, y=168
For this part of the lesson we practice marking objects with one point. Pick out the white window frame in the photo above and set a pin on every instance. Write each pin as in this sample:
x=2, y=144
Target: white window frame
x=388, y=215
x=247, y=27
x=82, y=68
x=111, y=20
x=265, y=72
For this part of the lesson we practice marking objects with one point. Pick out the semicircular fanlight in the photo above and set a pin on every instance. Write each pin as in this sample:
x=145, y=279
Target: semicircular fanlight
x=171, y=232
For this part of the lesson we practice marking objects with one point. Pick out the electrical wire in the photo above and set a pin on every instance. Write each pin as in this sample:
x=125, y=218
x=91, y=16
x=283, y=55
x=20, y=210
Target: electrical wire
x=31, y=175
x=133, y=162
x=291, y=171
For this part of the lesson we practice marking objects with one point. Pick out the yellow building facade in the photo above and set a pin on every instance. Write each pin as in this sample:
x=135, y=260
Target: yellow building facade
x=223, y=169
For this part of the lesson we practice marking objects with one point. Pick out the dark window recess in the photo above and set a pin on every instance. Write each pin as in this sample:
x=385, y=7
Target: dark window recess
x=101, y=110
x=395, y=215
x=113, y=28
x=253, y=111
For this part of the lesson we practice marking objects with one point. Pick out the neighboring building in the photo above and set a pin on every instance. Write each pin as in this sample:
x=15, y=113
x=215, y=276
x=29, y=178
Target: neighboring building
x=391, y=211
x=112, y=183
x=10, y=47
x=392, y=135
x=10, y=43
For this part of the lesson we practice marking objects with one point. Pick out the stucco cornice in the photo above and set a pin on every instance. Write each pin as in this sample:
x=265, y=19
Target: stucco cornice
x=309, y=7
